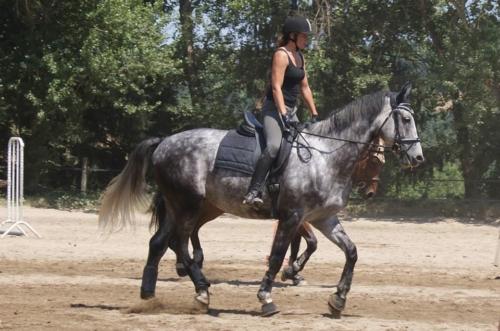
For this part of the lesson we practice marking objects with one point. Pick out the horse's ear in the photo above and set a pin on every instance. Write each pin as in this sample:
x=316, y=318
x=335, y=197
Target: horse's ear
x=404, y=94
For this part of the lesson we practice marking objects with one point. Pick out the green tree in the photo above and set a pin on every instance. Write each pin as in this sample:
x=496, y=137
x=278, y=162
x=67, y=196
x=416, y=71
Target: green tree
x=86, y=84
x=464, y=57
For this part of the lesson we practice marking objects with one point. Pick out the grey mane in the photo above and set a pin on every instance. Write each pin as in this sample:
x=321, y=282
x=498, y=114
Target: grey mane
x=366, y=107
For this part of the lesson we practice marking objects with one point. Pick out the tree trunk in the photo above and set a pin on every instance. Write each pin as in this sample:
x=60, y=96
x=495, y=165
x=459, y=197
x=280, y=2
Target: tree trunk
x=188, y=52
x=471, y=174
x=85, y=171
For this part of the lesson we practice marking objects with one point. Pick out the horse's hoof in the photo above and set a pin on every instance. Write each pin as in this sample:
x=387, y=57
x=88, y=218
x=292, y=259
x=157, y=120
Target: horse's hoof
x=145, y=295
x=336, y=314
x=202, y=297
x=336, y=304
x=181, y=271
x=202, y=301
x=299, y=281
x=269, y=309
x=148, y=285
x=288, y=274
x=284, y=275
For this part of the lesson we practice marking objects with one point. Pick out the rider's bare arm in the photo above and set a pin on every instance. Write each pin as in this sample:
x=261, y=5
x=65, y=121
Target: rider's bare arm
x=280, y=62
x=305, y=90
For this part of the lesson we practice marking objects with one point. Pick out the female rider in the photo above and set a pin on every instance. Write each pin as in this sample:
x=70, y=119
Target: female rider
x=288, y=78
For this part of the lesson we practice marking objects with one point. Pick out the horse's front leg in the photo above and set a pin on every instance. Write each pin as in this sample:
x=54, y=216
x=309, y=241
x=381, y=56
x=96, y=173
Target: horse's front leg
x=334, y=231
x=287, y=227
x=297, y=264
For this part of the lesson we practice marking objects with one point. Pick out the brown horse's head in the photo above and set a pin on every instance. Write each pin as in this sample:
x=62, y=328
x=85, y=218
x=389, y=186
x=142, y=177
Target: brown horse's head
x=367, y=170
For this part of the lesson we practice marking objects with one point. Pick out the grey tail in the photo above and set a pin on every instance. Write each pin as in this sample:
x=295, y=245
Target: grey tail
x=126, y=193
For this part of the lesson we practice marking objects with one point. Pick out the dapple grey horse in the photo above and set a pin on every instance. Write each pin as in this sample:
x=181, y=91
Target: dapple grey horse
x=194, y=192
x=365, y=177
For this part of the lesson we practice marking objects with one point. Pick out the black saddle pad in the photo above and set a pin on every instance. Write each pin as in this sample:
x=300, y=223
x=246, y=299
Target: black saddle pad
x=238, y=153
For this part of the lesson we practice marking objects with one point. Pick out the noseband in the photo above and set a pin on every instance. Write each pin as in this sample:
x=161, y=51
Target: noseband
x=400, y=141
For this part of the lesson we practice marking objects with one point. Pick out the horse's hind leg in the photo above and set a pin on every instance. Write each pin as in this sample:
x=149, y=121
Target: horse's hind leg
x=208, y=213
x=334, y=231
x=157, y=248
x=179, y=266
x=198, y=256
x=190, y=218
x=296, y=265
x=201, y=284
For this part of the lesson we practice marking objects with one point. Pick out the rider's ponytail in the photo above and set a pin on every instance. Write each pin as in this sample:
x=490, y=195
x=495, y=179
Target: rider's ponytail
x=283, y=39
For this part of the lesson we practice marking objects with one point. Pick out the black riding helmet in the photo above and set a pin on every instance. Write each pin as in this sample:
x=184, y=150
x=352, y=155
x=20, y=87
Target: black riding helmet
x=298, y=24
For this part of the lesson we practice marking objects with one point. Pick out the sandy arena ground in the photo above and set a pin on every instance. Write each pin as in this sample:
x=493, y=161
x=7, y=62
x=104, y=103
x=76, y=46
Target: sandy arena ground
x=412, y=274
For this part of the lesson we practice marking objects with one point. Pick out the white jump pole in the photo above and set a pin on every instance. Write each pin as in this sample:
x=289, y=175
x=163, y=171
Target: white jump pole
x=15, y=185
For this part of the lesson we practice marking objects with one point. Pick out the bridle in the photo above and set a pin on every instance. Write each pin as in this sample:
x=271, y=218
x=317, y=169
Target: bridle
x=398, y=143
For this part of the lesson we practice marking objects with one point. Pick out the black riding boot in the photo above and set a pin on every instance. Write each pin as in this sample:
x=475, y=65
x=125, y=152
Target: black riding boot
x=254, y=194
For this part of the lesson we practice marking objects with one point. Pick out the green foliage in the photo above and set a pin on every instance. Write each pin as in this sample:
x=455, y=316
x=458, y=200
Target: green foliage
x=446, y=183
x=66, y=200
x=433, y=182
x=87, y=84
x=407, y=209
x=464, y=64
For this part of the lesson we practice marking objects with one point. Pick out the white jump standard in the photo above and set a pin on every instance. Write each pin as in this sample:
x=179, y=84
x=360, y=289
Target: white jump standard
x=15, y=192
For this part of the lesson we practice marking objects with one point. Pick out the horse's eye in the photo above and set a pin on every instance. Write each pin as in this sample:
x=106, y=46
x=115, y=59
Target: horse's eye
x=406, y=119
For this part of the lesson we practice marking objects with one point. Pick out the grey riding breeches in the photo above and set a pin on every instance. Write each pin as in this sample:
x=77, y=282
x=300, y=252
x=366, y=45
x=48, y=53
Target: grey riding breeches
x=273, y=126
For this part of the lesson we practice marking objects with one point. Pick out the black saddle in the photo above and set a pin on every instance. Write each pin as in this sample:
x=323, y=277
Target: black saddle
x=250, y=125
x=240, y=149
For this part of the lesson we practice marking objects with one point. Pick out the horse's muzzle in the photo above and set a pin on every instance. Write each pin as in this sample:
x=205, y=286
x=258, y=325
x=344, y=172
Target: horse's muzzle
x=417, y=160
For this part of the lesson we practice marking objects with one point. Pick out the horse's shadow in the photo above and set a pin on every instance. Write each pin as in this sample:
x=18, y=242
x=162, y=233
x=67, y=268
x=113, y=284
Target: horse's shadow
x=216, y=312
x=170, y=279
x=211, y=312
x=277, y=284
x=103, y=307
x=235, y=282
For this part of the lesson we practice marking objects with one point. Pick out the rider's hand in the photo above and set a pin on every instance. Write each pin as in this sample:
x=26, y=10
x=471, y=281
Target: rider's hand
x=314, y=119
x=288, y=120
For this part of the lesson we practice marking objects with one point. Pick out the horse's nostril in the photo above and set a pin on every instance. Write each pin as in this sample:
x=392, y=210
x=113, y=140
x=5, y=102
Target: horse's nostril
x=420, y=158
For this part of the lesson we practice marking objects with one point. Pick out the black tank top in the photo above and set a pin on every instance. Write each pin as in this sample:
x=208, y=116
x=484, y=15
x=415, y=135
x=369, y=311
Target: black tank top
x=291, y=82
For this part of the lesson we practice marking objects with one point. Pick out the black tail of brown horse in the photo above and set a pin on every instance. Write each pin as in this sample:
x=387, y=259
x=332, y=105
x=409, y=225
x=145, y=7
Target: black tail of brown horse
x=126, y=193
